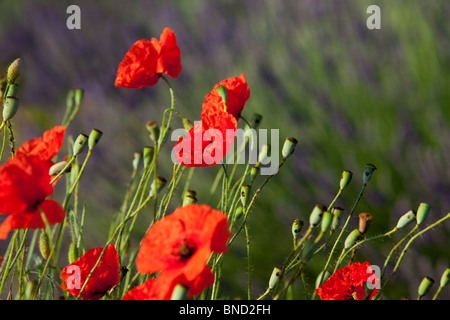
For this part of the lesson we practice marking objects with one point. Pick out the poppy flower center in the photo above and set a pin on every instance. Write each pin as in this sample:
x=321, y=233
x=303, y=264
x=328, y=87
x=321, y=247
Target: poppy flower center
x=186, y=249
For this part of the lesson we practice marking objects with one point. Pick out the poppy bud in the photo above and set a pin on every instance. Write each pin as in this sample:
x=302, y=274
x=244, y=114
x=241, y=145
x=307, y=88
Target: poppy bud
x=189, y=197
x=80, y=144
x=224, y=95
x=316, y=215
x=15, y=71
x=148, y=155
x=406, y=219
x=422, y=212
x=289, y=146
x=364, y=222
x=263, y=153
x=275, y=276
x=44, y=244
x=353, y=236
x=337, y=212
x=57, y=168
x=327, y=219
x=297, y=227
x=187, y=124
x=425, y=286
x=238, y=213
x=368, y=172
x=320, y=280
x=345, y=179
x=10, y=107
x=94, y=138
x=245, y=192
x=153, y=130
x=254, y=171
x=137, y=158
x=78, y=96
x=179, y=292
x=445, y=279
x=157, y=185
x=73, y=253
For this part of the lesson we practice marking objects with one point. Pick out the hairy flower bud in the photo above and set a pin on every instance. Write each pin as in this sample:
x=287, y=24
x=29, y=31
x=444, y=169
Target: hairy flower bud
x=15, y=71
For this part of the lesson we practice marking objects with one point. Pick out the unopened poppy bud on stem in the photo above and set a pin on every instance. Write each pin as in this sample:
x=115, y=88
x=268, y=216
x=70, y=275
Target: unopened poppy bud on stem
x=15, y=71
x=316, y=215
x=274, y=278
x=44, y=244
x=238, y=213
x=78, y=96
x=73, y=253
x=58, y=167
x=445, y=279
x=368, y=172
x=153, y=130
x=406, y=219
x=136, y=160
x=351, y=239
x=364, y=222
x=289, y=146
x=80, y=144
x=422, y=212
x=10, y=107
x=425, y=286
x=94, y=138
x=254, y=172
x=327, y=219
x=147, y=155
x=345, y=179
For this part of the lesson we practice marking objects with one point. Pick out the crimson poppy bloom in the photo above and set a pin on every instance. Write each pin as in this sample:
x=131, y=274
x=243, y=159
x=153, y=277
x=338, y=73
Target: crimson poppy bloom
x=24, y=187
x=238, y=93
x=349, y=283
x=184, y=241
x=104, y=277
x=45, y=147
x=162, y=287
x=147, y=60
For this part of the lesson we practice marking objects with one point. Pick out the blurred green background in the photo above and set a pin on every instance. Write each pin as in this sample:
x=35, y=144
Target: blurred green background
x=350, y=96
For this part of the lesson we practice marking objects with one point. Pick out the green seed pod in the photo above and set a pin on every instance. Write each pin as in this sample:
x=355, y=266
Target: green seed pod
x=13, y=89
x=44, y=244
x=351, y=239
x=15, y=70
x=238, y=213
x=153, y=130
x=136, y=160
x=94, y=138
x=289, y=146
x=345, y=179
x=10, y=107
x=422, y=212
x=157, y=185
x=337, y=213
x=179, y=292
x=319, y=277
x=78, y=96
x=445, y=279
x=274, y=277
x=147, y=154
x=73, y=253
x=327, y=219
x=189, y=197
x=254, y=172
x=245, y=193
x=368, y=172
x=80, y=144
x=316, y=215
x=406, y=219
x=58, y=167
x=425, y=286
x=297, y=226
x=364, y=222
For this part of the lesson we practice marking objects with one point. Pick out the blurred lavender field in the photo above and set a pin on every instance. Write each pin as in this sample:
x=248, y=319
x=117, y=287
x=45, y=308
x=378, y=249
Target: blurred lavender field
x=350, y=95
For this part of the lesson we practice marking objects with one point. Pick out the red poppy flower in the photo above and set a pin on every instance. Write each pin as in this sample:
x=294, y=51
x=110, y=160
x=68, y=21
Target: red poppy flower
x=24, y=187
x=45, y=147
x=146, y=60
x=349, y=283
x=208, y=141
x=104, y=277
x=184, y=241
x=162, y=287
x=238, y=93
